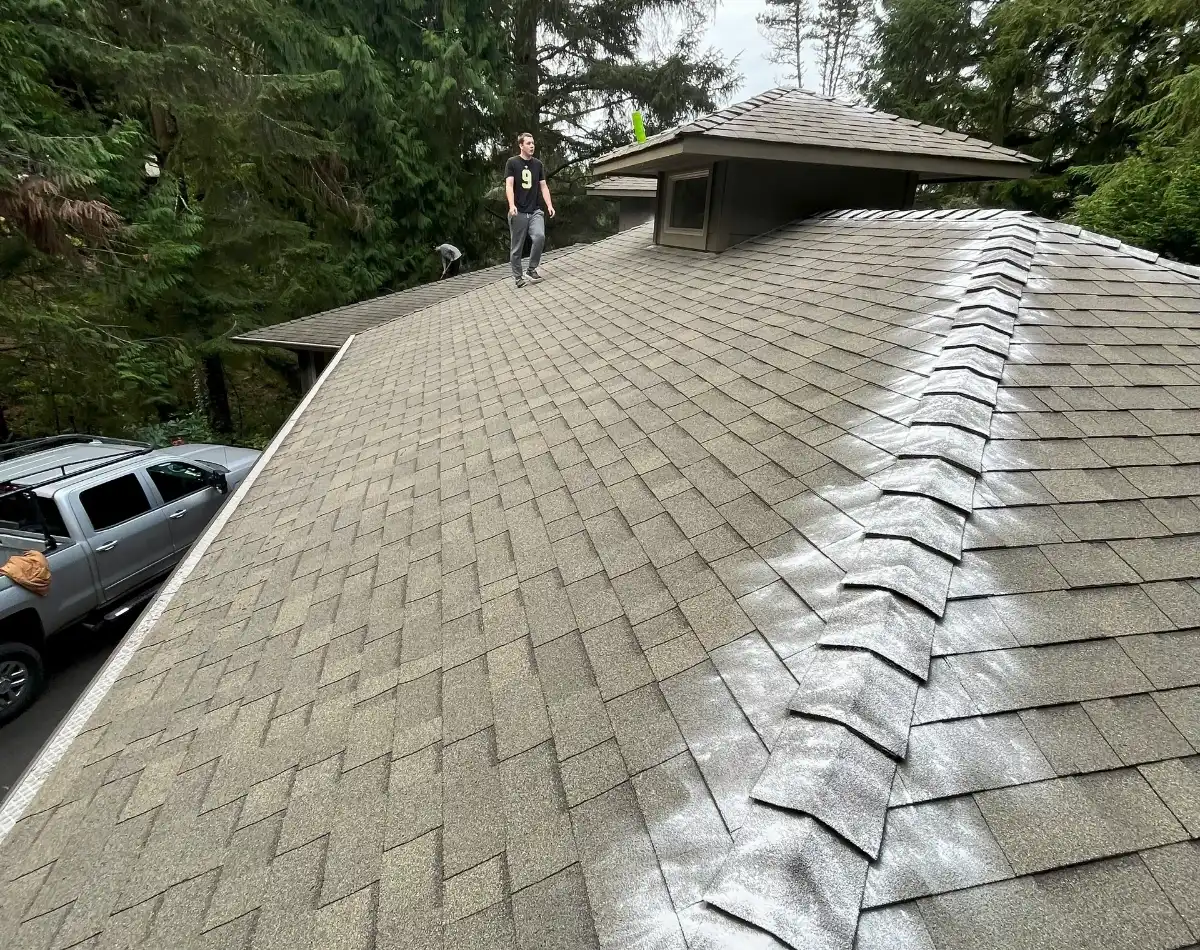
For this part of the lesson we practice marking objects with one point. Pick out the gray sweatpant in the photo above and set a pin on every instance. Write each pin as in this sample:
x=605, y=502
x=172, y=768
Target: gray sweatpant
x=518, y=226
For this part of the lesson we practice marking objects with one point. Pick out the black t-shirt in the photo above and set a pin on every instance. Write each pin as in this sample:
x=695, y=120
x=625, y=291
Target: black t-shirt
x=527, y=175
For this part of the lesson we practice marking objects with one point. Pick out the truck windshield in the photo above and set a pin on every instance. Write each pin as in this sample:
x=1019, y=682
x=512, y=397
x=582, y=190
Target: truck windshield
x=16, y=513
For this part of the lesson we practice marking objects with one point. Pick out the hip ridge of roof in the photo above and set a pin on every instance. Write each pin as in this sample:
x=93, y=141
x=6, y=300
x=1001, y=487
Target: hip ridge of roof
x=829, y=775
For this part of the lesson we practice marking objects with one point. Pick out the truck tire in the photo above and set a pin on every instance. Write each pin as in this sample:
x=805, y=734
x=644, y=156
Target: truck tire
x=21, y=678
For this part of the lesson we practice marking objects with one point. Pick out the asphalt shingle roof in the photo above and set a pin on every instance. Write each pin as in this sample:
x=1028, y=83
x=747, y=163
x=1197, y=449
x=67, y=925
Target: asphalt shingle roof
x=329, y=329
x=797, y=117
x=837, y=590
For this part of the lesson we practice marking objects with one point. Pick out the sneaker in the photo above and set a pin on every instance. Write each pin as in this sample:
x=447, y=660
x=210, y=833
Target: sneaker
x=534, y=277
x=520, y=281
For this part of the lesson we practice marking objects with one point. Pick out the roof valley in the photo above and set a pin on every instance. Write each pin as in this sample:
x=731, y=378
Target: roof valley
x=799, y=863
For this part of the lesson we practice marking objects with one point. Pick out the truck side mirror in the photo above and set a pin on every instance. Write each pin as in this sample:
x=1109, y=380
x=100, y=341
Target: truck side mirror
x=214, y=475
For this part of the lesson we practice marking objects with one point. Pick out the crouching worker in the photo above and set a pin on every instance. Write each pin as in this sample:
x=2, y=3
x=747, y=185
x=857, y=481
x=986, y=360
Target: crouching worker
x=452, y=259
x=526, y=189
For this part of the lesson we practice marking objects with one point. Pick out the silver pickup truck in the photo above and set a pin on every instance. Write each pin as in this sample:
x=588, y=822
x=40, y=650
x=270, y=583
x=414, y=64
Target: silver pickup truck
x=112, y=518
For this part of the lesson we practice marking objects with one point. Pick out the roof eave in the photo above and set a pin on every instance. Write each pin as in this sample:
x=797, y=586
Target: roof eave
x=930, y=167
x=645, y=159
x=288, y=344
x=597, y=192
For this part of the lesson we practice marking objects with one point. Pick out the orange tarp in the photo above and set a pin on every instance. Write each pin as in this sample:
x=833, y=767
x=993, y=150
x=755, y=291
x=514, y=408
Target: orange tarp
x=30, y=570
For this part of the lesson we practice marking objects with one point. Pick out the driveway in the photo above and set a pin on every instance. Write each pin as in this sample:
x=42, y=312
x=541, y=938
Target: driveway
x=75, y=656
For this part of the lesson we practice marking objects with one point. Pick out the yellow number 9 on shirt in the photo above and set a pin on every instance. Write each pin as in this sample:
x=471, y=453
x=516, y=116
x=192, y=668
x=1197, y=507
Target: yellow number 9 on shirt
x=526, y=179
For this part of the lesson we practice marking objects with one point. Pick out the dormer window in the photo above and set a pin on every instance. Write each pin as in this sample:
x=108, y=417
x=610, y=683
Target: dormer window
x=686, y=202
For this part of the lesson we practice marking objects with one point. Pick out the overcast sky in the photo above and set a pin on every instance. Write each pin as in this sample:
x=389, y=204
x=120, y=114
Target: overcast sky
x=735, y=33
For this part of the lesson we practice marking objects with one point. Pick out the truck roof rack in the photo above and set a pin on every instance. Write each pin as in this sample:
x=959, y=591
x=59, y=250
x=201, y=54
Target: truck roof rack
x=16, y=450
x=30, y=480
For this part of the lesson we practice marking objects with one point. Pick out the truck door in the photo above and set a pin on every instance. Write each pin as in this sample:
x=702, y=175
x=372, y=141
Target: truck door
x=129, y=536
x=189, y=497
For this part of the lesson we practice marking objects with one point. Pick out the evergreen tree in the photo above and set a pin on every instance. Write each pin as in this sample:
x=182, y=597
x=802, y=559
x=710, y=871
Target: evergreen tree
x=922, y=55
x=1084, y=85
x=837, y=31
x=786, y=26
x=1152, y=197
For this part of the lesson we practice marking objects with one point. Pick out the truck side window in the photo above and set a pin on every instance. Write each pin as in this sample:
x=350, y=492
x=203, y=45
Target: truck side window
x=175, y=479
x=113, y=502
x=17, y=512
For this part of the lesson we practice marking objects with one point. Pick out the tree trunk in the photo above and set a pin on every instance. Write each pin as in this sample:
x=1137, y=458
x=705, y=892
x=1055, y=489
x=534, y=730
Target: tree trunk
x=5, y=434
x=218, y=395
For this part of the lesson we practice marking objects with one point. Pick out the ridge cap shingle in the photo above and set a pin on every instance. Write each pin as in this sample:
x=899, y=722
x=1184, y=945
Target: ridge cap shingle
x=879, y=640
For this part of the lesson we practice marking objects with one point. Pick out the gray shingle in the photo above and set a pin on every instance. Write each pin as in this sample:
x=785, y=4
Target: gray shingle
x=905, y=568
x=825, y=770
x=1176, y=868
x=893, y=928
x=1045, y=825
x=934, y=848
x=685, y=826
x=787, y=623
x=554, y=914
x=1136, y=729
x=593, y=772
x=968, y=755
x=715, y=617
x=1157, y=559
x=645, y=728
x=1035, y=676
x=1182, y=707
x=792, y=877
x=1168, y=659
x=712, y=722
x=876, y=620
x=861, y=691
x=1004, y=571
x=475, y=889
x=573, y=701
x=1057, y=616
x=1108, y=905
x=625, y=887
x=473, y=803
x=1069, y=739
x=535, y=812
x=1176, y=783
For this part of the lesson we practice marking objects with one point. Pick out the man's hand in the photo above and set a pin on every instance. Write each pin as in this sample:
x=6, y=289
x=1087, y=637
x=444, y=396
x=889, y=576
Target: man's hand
x=550, y=210
x=512, y=211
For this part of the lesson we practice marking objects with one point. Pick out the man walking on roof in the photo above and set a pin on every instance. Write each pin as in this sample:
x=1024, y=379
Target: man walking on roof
x=525, y=186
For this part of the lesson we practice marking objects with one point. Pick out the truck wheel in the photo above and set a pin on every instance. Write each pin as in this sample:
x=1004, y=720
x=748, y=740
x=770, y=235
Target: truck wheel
x=21, y=677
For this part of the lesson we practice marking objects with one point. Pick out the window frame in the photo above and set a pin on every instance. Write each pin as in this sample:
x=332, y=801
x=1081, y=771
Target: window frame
x=49, y=512
x=201, y=485
x=687, y=237
x=150, y=506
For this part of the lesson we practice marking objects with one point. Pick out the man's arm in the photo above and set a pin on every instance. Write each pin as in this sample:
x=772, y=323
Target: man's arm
x=508, y=191
x=546, y=198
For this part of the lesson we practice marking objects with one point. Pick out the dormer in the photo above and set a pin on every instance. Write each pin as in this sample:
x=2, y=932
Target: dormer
x=787, y=154
x=635, y=198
